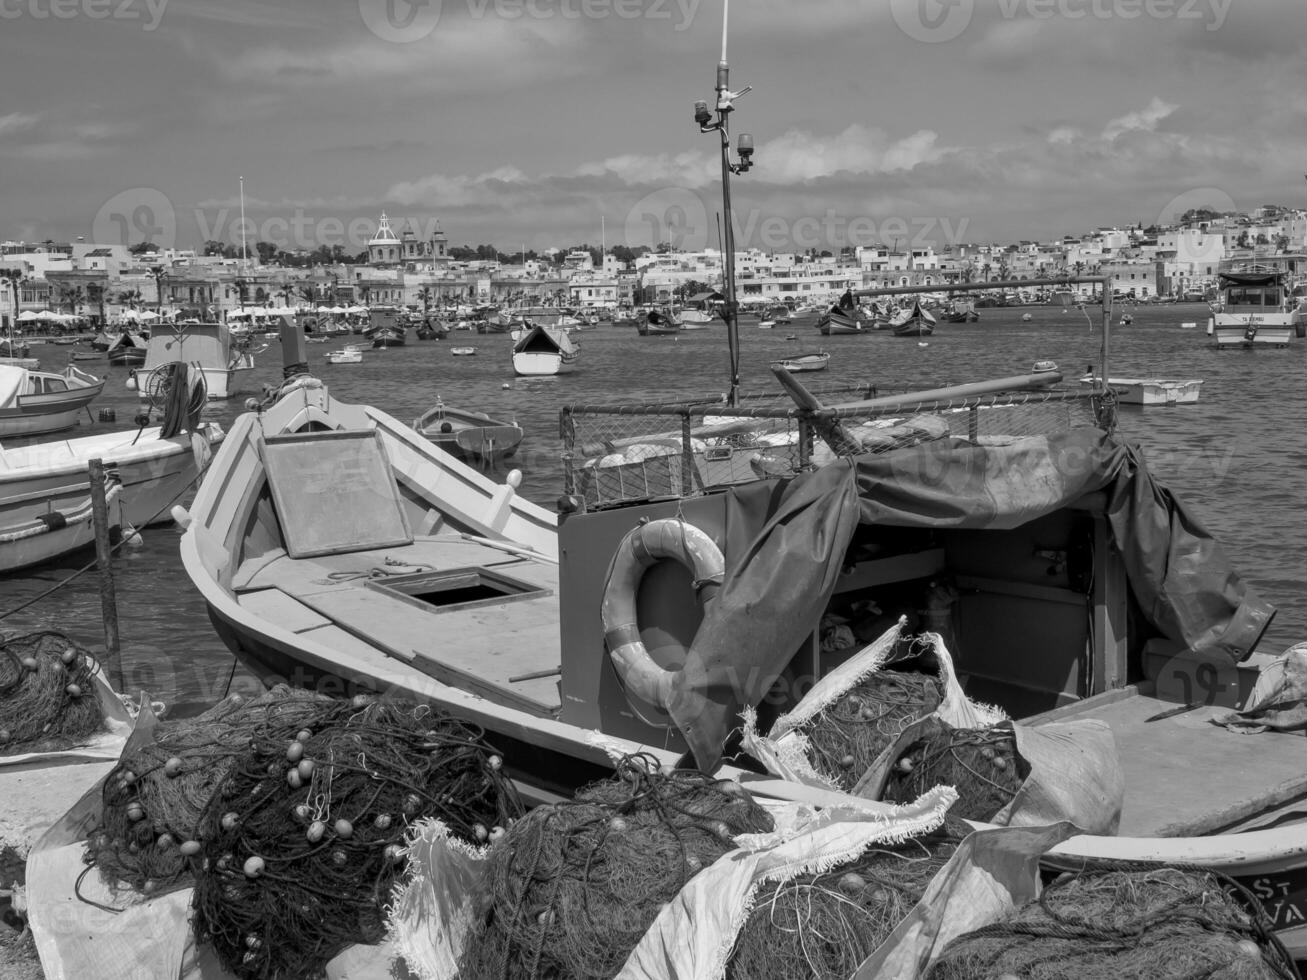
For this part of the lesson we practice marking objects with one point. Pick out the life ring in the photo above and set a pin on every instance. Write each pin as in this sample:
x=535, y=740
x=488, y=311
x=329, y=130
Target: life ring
x=642, y=678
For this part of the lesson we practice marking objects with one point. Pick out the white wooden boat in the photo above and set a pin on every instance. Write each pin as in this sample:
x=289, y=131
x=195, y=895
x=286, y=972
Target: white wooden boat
x=545, y=351
x=208, y=347
x=471, y=436
x=28, y=363
x=659, y=323
x=36, y=402
x=914, y=322
x=1152, y=391
x=463, y=351
x=349, y=354
x=839, y=320
x=766, y=324
x=41, y=532
x=151, y=471
x=816, y=361
x=1254, y=311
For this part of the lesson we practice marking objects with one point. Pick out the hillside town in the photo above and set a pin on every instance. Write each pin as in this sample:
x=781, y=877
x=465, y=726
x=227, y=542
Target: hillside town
x=101, y=283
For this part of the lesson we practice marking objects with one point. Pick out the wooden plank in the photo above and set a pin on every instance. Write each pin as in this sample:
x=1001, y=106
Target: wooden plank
x=250, y=568
x=278, y=607
x=1021, y=590
x=1187, y=777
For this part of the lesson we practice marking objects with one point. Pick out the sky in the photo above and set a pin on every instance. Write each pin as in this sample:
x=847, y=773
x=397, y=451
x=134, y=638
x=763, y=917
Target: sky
x=538, y=123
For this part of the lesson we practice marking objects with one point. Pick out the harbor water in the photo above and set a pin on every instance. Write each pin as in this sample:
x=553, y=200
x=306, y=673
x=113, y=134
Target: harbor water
x=1238, y=457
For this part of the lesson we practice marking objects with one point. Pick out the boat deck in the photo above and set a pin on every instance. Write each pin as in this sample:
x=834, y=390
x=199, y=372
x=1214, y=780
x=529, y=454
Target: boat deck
x=354, y=602
x=1184, y=775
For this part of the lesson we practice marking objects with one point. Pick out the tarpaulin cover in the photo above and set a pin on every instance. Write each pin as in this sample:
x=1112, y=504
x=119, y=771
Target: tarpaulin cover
x=777, y=586
x=1250, y=279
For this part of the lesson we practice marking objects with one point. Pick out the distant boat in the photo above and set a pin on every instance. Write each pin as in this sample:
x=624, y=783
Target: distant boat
x=1041, y=366
x=385, y=328
x=545, y=351
x=36, y=402
x=1151, y=391
x=349, y=354
x=816, y=361
x=659, y=323
x=127, y=348
x=766, y=324
x=14, y=349
x=462, y=351
x=915, y=322
x=431, y=330
x=471, y=436
x=1127, y=319
x=839, y=320
x=1026, y=317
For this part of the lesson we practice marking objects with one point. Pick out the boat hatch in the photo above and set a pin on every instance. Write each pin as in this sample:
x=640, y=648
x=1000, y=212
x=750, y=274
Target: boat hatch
x=455, y=589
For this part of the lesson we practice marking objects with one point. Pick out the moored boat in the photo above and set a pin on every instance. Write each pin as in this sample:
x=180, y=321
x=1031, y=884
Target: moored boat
x=349, y=354
x=544, y=351
x=210, y=348
x=44, y=532
x=839, y=320
x=1151, y=391
x=463, y=351
x=127, y=348
x=914, y=322
x=815, y=361
x=468, y=435
x=1254, y=311
x=659, y=323
x=36, y=402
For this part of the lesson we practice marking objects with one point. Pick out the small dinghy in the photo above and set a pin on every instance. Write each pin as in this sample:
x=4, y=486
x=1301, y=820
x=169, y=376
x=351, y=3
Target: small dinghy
x=471, y=436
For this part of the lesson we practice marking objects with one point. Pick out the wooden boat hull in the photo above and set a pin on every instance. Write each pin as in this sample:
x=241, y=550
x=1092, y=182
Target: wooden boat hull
x=33, y=541
x=540, y=365
x=126, y=355
x=544, y=352
x=806, y=362
x=469, y=436
x=153, y=472
x=1152, y=391
x=33, y=414
x=838, y=322
x=915, y=329
x=1253, y=331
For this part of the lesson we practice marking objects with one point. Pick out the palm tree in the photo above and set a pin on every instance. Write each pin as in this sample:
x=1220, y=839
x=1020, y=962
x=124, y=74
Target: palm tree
x=286, y=293
x=130, y=297
x=241, y=285
x=74, y=296
x=309, y=293
x=95, y=292
x=13, y=277
x=426, y=294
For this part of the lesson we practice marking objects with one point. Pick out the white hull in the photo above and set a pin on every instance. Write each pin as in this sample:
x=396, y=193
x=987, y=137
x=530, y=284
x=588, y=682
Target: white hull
x=35, y=425
x=531, y=365
x=153, y=472
x=1255, y=330
x=695, y=316
x=28, y=542
x=1152, y=391
x=221, y=383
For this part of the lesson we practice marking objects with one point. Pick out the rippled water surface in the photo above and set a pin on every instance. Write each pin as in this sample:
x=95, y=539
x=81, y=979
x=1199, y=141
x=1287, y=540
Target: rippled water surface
x=1238, y=457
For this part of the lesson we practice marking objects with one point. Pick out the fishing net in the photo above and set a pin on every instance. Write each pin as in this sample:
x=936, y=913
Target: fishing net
x=982, y=764
x=849, y=735
x=153, y=798
x=304, y=837
x=574, y=886
x=47, y=694
x=824, y=925
x=1158, y=924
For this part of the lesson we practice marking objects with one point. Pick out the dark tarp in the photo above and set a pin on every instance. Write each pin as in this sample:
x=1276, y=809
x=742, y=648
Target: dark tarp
x=1250, y=279
x=786, y=543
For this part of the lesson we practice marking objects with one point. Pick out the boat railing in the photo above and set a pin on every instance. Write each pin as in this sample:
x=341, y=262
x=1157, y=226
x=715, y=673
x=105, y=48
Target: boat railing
x=616, y=455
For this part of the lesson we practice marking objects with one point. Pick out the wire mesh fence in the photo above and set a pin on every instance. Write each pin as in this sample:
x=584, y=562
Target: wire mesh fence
x=616, y=455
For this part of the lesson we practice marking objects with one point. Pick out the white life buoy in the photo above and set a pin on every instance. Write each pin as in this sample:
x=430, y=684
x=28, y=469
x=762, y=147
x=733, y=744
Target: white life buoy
x=642, y=678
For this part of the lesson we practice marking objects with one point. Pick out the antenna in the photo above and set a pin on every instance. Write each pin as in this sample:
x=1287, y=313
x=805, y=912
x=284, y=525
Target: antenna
x=726, y=16
x=244, y=255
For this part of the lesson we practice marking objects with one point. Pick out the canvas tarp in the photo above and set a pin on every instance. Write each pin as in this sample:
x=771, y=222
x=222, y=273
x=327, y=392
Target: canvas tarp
x=786, y=543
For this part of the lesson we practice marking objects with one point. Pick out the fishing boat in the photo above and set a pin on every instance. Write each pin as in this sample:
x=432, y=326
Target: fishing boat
x=420, y=577
x=839, y=319
x=914, y=322
x=544, y=351
x=33, y=403
x=471, y=436
x=386, y=327
x=463, y=351
x=659, y=323
x=1151, y=391
x=42, y=532
x=210, y=348
x=14, y=349
x=815, y=361
x=765, y=324
x=1254, y=311
x=430, y=329
x=349, y=354
x=127, y=348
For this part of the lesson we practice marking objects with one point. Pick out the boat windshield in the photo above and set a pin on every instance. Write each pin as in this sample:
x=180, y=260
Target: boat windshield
x=1252, y=296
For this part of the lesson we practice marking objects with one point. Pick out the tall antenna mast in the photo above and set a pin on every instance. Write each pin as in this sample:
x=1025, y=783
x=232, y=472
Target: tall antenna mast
x=725, y=106
x=244, y=255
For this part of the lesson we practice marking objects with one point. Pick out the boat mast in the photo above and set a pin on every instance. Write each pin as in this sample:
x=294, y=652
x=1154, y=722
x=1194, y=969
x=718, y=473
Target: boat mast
x=725, y=105
x=244, y=255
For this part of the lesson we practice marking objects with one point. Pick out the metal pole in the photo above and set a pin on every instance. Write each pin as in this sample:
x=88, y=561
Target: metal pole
x=104, y=562
x=728, y=258
x=1107, y=326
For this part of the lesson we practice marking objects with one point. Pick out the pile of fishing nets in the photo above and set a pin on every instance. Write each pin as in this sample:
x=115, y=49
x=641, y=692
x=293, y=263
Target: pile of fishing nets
x=154, y=797
x=847, y=736
x=824, y=925
x=1159, y=924
x=48, y=700
x=572, y=887
x=982, y=764
x=303, y=838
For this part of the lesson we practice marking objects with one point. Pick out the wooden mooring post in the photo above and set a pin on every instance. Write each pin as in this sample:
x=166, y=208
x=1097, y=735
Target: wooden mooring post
x=104, y=564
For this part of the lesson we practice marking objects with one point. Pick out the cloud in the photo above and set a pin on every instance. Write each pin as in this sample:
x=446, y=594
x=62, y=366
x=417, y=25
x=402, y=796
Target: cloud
x=1144, y=119
x=17, y=121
